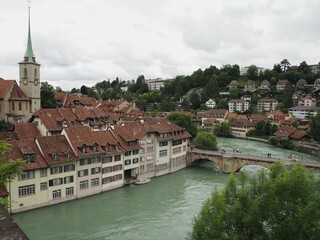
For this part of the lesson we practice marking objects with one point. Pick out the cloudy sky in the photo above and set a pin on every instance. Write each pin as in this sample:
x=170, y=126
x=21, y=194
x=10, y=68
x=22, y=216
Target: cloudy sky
x=82, y=42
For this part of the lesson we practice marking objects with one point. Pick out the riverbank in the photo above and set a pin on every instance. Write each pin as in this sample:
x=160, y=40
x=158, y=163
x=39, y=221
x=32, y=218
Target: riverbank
x=311, y=149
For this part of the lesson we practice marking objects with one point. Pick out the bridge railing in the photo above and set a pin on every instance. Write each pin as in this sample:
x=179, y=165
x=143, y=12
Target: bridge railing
x=261, y=156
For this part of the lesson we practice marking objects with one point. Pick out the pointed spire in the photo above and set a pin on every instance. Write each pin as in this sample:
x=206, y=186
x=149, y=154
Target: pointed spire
x=29, y=56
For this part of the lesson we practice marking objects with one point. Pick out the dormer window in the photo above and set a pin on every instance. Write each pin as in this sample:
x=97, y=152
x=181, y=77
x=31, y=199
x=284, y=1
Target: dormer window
x=55, y=156
x=69, y=155
x=95, y=148
x=29, y=158
x=117, y=147
x=106, y=148
x=83, y=149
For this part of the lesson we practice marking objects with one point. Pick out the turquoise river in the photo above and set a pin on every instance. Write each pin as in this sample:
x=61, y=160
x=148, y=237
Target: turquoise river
x=161, y=209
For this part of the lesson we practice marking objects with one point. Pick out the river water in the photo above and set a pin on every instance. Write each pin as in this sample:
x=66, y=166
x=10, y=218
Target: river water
x=161, y=209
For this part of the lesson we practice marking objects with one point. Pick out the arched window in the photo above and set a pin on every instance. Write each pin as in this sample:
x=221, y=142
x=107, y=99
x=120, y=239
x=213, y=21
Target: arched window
x=25, y=72
x=35, y=73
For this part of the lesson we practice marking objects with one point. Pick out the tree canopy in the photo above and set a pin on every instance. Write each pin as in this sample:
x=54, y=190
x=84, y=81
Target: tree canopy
x=282, y=204
x=315, y=127
x=47, y=93
x=183, y=120
x=205, y=140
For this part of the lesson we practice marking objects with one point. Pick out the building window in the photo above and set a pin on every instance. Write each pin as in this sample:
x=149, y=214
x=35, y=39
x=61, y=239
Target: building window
x=84, y=184
x=176, y=142
x=107, y=180
x=95, y=182
x=128, y=153
x=85, y=161
x=141, y=159
x=25, y=73
x=56, y=194
x=56, y=170
x=26, y=175
x=95, y=170
x=69, y=191
x=20, y=106
x=95, y=148
x=29, y=158
x=43, y=186
x=135, y=152
x=135, y=160
x=26, y=190
x=83, y=150
x=163, y=153
x=148, y=135
x=176, y=150
x=127, y=162
x=107, y=159
x=106, y=170
x=117, y=158
x=43, y=172
x=149, y=149
x=163, y=144
x=12, y=106
x=83, y=173
x=68, y=179
x=56, y=157
x=55, y=182
x=117, y=177
x=69, y=168
x=35, y=73
x=96, y=160
x=117, y=167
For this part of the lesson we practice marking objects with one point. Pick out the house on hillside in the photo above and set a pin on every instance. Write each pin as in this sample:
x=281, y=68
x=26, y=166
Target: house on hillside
x=233, y=84
x=301, y=83
x=281, y=84
x=265, y=85
x=210, y=103
x=250, y=86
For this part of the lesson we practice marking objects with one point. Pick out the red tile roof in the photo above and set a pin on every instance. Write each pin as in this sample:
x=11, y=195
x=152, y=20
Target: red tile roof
x=56, y=145
x=27, y=131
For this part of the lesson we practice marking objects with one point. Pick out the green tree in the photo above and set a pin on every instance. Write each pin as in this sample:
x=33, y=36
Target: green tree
x=282, y=204
x=222, y=104
x=84, y=90
x=47, y=93
x=205, y=140
x=4, y=126
x=183, y=120
x=252, y=72
x=284, y=65
x=315, y=127
x=287, y=96
x=8, y=169
x=304, y=67
x=74, y=90
x=223, y=130
x=195, y=100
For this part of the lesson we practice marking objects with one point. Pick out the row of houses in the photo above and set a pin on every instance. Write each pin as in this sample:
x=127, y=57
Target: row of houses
x=281, y=84
x=77, y=162
x=241, y=124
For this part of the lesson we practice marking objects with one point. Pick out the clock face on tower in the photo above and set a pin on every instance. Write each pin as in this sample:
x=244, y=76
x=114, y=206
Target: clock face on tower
x=25, y=81
x=36, y=82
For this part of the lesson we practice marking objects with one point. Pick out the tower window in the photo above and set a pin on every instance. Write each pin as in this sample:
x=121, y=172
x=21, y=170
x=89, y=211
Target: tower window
x=35, y=73
x=12, y=106
x=20, y=106
x=25, y=72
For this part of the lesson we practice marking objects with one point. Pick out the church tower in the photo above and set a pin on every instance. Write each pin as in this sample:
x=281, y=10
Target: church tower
x=29, y=71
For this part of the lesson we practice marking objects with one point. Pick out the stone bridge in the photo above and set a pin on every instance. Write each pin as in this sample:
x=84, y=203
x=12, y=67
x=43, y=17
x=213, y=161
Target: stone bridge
x=233, y=162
